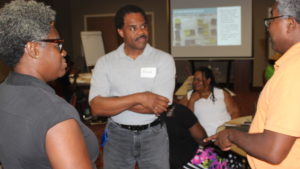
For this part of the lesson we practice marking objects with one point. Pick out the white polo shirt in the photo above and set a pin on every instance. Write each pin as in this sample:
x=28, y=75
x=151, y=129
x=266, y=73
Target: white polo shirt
x=116, y=74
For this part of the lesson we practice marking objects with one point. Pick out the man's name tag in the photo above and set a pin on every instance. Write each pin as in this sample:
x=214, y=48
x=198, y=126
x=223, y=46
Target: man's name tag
x=148, y=72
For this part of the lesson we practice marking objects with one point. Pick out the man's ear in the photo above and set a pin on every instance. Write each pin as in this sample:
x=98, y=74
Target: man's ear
x=120, y=32
x=292, y=24
x=31, y=49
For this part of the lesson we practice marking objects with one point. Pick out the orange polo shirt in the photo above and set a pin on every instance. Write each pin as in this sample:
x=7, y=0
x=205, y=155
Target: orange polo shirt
x=278, y=108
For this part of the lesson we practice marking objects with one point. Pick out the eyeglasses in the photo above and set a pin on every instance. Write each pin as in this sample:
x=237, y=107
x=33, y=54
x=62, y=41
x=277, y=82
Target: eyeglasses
x=58, y=41
x=268, y=21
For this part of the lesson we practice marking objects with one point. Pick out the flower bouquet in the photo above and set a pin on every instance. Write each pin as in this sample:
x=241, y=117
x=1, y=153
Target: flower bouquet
x=206, y=158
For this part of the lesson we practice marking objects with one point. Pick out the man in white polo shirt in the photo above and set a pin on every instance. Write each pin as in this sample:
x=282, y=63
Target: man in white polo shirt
x=133, y=85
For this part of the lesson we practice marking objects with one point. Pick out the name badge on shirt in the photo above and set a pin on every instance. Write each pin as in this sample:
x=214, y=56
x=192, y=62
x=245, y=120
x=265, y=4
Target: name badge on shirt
x=148, y=72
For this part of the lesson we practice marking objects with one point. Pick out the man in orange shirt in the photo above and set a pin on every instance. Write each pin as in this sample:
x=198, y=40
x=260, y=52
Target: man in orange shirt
x=273, y=140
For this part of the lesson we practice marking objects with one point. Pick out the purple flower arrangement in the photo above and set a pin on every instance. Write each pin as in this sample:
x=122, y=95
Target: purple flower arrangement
x=208, y=159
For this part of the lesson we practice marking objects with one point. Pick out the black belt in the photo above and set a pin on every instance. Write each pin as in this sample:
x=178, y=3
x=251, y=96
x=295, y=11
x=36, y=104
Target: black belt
x=140, y=127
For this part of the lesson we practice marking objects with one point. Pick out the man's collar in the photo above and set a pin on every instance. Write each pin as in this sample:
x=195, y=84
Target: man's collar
x=122, y=53
x=288, y=55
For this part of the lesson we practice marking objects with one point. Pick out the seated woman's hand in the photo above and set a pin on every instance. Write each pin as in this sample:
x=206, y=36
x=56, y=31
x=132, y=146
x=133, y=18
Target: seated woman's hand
x=195, y=96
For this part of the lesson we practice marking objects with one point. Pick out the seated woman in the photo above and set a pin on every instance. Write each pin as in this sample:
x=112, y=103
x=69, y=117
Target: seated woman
x=187, y=149
x=212, y=106
x=185, y=135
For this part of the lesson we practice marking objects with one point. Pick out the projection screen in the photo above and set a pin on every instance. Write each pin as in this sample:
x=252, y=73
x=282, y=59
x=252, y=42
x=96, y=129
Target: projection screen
x=211, y=28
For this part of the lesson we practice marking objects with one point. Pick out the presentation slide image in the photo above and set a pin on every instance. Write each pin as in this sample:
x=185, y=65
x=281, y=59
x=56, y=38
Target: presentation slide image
x=195, y=27
x=220, y=26
x=229, y=26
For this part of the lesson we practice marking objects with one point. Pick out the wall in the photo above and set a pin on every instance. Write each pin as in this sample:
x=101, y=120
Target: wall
x=63, y=22
x=4, y=70
x=260, y=11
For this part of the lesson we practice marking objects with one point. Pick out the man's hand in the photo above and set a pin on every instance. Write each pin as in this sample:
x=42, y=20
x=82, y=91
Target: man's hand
x=221, y=139
x=158, y=104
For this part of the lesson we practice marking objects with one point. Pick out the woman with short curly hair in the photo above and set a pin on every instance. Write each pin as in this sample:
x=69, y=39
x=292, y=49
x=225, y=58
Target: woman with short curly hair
x=38, y=129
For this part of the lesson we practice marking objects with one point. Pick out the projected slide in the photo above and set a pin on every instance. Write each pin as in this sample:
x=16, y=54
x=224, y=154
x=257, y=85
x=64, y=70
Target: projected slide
x=218, y=26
